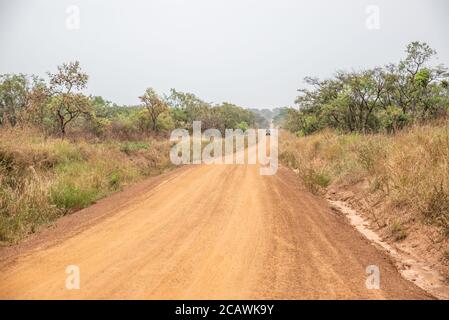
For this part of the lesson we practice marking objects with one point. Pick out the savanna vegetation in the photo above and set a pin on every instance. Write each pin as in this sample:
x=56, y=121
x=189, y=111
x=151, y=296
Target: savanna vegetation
x=379, y=100
x=381, y=134
x=408, y=171
x=61, y=149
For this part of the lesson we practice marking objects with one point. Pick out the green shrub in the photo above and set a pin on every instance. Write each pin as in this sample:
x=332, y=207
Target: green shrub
x=66, y=195
x=67, y=152
x=314, y=180
x=131, y=147
x=115, y=180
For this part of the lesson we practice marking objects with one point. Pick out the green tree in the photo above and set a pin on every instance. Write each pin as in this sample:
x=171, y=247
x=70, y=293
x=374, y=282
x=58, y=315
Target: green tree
x=38, y=112
x=382, y=98
x=242, y=126
x=67, y=102
x=187, y=107
x=14, y=94
x=154, y=105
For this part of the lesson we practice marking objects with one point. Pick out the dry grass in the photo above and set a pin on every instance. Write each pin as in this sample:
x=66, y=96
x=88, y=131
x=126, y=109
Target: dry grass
x=409, y=169
x=43, y=179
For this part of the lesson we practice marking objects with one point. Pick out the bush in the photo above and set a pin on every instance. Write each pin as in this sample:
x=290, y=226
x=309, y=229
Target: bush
x=393, y=119
x=131, y=147
x=66, y=195
x=315, y=180
x=165, y=123
x=115, y=180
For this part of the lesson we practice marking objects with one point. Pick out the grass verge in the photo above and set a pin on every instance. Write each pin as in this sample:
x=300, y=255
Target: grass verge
x=42, y=179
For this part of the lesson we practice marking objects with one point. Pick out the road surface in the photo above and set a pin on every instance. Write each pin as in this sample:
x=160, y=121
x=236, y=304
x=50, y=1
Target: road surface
x=203, y=232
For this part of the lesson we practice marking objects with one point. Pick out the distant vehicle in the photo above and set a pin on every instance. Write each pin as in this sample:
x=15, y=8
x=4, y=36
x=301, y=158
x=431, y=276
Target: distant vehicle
x=268, y=132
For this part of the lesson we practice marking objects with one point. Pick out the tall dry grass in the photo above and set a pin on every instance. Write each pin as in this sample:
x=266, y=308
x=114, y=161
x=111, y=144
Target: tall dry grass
x=410, y=169
x=44, y=178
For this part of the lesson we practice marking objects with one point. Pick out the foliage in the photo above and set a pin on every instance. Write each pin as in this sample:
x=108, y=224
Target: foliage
x=186, y=108
x=154, y=106
x=59, y=107
x=15, y=93
x=375, y=100
x=67, y=103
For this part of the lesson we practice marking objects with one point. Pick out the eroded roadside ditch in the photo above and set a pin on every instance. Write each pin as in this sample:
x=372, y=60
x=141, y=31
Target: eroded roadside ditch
x=411, y=267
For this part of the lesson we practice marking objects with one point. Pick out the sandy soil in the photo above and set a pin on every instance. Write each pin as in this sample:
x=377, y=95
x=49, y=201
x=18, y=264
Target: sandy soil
x=207, y=231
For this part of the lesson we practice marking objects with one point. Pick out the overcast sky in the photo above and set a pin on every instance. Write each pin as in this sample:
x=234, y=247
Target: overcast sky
x=252, y=53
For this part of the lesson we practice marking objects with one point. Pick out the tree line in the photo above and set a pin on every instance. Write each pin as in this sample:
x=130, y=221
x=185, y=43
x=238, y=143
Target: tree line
x=59, y=105
x=381, y=99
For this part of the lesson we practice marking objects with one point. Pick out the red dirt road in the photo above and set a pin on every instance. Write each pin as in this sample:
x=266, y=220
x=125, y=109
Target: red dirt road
x=203, y=232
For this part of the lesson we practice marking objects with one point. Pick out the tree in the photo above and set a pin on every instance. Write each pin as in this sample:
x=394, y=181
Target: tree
x=382, y=98
x=231, y=116
x=187, y=107
x=366, y=89
x=67, y=102
x=14, y=93
x=37, y=106
x=242, y=126
x=418, y=53
x=154, y=105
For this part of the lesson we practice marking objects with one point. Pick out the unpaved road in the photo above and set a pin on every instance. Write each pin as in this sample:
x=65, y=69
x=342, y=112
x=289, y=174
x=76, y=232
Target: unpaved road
x=208, y=231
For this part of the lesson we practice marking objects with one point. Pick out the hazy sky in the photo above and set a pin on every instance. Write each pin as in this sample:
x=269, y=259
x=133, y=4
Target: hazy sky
x=252, y=53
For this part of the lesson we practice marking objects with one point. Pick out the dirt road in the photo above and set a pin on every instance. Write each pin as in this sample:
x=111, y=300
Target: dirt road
x=208, y=231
